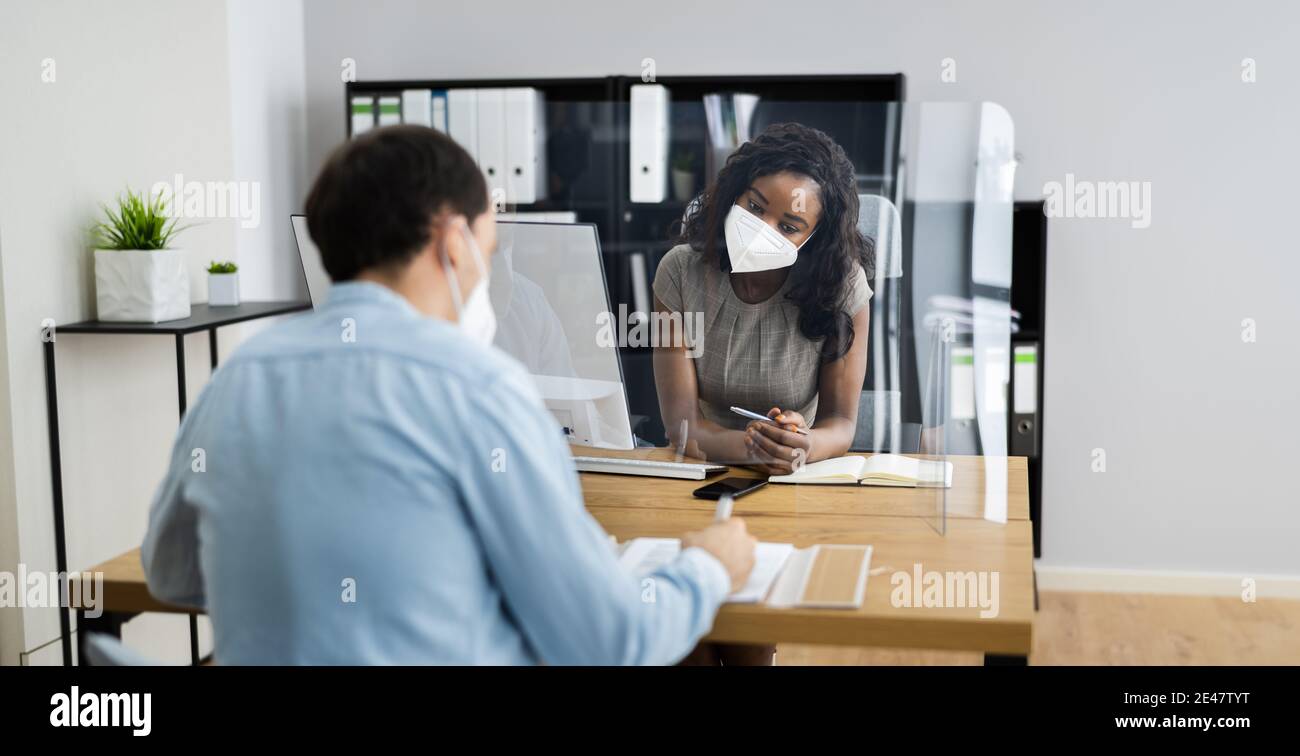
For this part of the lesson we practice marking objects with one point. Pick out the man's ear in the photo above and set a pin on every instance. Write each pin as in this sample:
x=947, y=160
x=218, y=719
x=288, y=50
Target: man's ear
x=449, y=241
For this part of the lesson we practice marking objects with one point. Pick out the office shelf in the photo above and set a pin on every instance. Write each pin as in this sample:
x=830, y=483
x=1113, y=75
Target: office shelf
x=203, y=317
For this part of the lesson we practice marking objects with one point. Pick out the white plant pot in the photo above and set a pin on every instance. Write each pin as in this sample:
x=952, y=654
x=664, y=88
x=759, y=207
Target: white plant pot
x=683, y=185
x=223, y=289
x=142, y=285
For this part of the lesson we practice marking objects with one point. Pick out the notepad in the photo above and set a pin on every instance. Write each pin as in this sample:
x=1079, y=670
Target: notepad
x=645, y=555
x=876, y=470
x=825, y=576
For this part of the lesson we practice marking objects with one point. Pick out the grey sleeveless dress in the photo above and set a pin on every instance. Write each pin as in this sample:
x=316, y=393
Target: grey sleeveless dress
x=753, y=355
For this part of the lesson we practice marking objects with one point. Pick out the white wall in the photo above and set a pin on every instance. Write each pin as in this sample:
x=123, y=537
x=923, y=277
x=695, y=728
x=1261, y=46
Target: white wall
x=11, y=621
x=1144, y=351
x=269, y=127
x=143, y=90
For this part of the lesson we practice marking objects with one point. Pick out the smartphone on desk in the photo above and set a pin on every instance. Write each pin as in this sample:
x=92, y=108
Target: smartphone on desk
x=737, y=487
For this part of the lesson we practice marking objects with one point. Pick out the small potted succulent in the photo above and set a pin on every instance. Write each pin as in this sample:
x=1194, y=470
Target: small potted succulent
x=223, y=284
x=683, y=175
x=139, y=276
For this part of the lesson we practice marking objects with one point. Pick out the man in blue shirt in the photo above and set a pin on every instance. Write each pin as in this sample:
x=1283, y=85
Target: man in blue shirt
x=373, y=483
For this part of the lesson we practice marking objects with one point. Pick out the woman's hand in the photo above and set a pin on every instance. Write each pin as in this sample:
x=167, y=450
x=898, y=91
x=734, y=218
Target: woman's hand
x=779, y=450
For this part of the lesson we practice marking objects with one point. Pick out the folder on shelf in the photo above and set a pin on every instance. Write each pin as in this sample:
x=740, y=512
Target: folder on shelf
x=648, y=143
x=1024, y=400
x=417, y=107
x=525, y=145
x=491, y=156
x=439, y=110
x=363, y=114
x=728, y=117
x=462, y=119
x=390, y=110
x=962, y=383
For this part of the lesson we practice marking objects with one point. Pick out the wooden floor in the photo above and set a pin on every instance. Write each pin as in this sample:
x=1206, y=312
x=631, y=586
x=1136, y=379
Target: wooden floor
x=1112, y=628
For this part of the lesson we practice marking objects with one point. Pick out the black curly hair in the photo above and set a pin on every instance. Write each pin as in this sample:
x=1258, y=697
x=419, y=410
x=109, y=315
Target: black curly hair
x=825, y=267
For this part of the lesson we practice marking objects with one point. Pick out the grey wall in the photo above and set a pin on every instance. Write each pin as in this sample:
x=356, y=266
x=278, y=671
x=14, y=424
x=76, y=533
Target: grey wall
x=1145, y=356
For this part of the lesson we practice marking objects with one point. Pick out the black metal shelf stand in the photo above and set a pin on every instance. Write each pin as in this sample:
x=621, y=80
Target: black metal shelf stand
x=202, y=318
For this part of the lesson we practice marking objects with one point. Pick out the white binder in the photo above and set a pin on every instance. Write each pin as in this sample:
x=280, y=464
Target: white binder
x=417, y=106
x=525, y=129
x=390, y=110
x=962, y=384
x=462, y=119
x=648, y=140
x=1024, y=400
x=492, y=140
x=363, y=115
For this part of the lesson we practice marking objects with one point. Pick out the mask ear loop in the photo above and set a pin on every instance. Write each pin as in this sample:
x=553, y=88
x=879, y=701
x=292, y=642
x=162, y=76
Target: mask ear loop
x=470, y=242
x=453, y=279
x=810, y=236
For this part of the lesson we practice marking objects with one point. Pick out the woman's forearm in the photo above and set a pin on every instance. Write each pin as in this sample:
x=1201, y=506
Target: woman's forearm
x=724, y=445
x=704, y=439
x=831, y=437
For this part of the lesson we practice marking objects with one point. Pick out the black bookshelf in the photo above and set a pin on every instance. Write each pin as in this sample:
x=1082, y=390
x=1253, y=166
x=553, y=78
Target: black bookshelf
x=587, y=126
x=1029, y=298
x=591, y=116
x=587, y=133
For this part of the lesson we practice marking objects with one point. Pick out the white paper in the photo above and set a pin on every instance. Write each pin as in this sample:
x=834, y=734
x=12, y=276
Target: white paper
x=645, y=555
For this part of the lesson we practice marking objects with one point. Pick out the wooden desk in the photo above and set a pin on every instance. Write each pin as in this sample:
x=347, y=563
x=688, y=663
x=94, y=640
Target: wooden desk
x=125, y=589
x=123, y=595
x=965, y=498
x=899, y=543
x=898, y=523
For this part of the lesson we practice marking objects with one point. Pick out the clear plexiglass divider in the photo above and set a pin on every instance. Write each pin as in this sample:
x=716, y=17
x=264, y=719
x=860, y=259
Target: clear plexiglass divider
x=574, y=285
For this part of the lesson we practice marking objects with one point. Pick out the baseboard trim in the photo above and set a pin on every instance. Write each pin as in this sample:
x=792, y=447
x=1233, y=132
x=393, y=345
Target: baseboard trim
x=1106, y=580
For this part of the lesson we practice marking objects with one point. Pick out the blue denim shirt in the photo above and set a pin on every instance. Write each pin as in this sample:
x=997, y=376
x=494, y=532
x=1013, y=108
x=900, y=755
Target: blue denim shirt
x=366, y=485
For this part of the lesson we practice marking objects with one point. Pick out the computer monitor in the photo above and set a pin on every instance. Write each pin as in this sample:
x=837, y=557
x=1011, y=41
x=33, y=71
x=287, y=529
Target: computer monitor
x=313, y=270
x=549, y=293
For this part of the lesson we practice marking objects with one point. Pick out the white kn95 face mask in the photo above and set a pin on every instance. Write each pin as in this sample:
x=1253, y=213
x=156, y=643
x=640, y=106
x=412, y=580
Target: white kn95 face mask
x=753, y=245
x=477, y=318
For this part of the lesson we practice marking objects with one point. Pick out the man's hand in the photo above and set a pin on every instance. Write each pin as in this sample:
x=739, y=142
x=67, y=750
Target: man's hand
x=731, y=544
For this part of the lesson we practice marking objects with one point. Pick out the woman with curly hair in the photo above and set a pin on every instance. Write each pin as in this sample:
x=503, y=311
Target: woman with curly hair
x=772, y=257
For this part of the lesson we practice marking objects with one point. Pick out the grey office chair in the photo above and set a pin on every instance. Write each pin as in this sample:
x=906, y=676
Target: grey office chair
x=879, y=425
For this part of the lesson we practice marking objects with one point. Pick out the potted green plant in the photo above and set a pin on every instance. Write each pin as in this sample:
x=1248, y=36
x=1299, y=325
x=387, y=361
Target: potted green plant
x=683, y=175
x=223, y=284
x=139, y=276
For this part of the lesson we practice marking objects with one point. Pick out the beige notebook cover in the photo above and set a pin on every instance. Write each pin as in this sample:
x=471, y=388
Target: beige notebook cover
x=830, y=576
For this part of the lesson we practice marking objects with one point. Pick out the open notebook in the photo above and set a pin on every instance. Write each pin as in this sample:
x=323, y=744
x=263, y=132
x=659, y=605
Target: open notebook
x=822, y=576
x=876, y=470
x=644, y=555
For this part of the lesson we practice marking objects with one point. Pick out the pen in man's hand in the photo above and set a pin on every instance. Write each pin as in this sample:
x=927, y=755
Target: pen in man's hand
x=723, y=512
